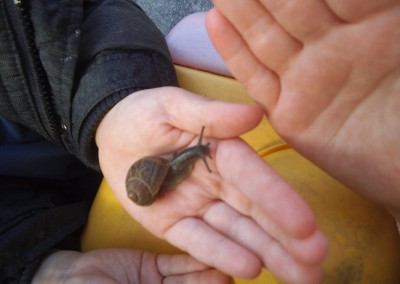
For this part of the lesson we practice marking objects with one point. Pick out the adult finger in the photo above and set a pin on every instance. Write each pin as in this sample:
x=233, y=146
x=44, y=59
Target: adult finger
x=207, y=245
x=221, y=119
x=270, y=43
x=246, y=171
x=178, y=264
x=254, y=189
x=246, y=232
x=304, y=20
x=210, y=276
x=354, y=10
x=261, y=83
x=170, y=118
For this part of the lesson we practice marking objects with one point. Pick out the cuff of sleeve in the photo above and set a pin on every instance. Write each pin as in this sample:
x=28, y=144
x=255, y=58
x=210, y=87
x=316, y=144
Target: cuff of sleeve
x=111, y=78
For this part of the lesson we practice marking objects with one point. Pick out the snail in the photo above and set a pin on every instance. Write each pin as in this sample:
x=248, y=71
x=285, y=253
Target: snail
x=151, y=177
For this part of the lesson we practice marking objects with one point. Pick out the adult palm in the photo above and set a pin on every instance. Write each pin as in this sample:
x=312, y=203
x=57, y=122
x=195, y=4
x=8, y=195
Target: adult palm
x=110, y=266
x=238, y=218
x=328, y=75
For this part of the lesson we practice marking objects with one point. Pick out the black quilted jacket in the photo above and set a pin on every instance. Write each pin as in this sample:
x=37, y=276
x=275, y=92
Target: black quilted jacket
x=63, y=65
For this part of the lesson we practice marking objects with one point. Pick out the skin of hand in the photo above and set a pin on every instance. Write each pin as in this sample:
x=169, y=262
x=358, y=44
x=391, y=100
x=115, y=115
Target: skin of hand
x=327, y=74
x=232, y=223
x=124, y=266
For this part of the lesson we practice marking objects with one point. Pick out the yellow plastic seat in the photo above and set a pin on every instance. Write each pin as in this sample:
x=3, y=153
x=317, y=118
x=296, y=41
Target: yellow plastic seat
x=364, y=241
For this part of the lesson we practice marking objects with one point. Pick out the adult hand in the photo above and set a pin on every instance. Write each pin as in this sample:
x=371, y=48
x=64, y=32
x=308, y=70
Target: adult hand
x=238, y=218
x=124, y=266
x=328, y=75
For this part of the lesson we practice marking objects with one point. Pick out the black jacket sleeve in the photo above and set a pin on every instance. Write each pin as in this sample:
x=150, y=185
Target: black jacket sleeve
x=121, y=52
x=86, y=56
x=128, y=71
x=77, y=59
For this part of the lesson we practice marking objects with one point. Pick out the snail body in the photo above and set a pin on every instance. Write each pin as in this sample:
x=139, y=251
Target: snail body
x=152, y=176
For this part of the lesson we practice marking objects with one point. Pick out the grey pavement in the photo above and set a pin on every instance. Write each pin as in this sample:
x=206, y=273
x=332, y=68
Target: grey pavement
x=166, y=13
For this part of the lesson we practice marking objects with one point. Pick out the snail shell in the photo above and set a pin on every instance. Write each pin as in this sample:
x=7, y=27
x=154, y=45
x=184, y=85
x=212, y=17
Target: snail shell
x=144, y=179
x=151, y=176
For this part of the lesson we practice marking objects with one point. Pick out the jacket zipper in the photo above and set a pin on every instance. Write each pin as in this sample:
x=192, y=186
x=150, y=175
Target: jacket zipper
x=45, y=93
